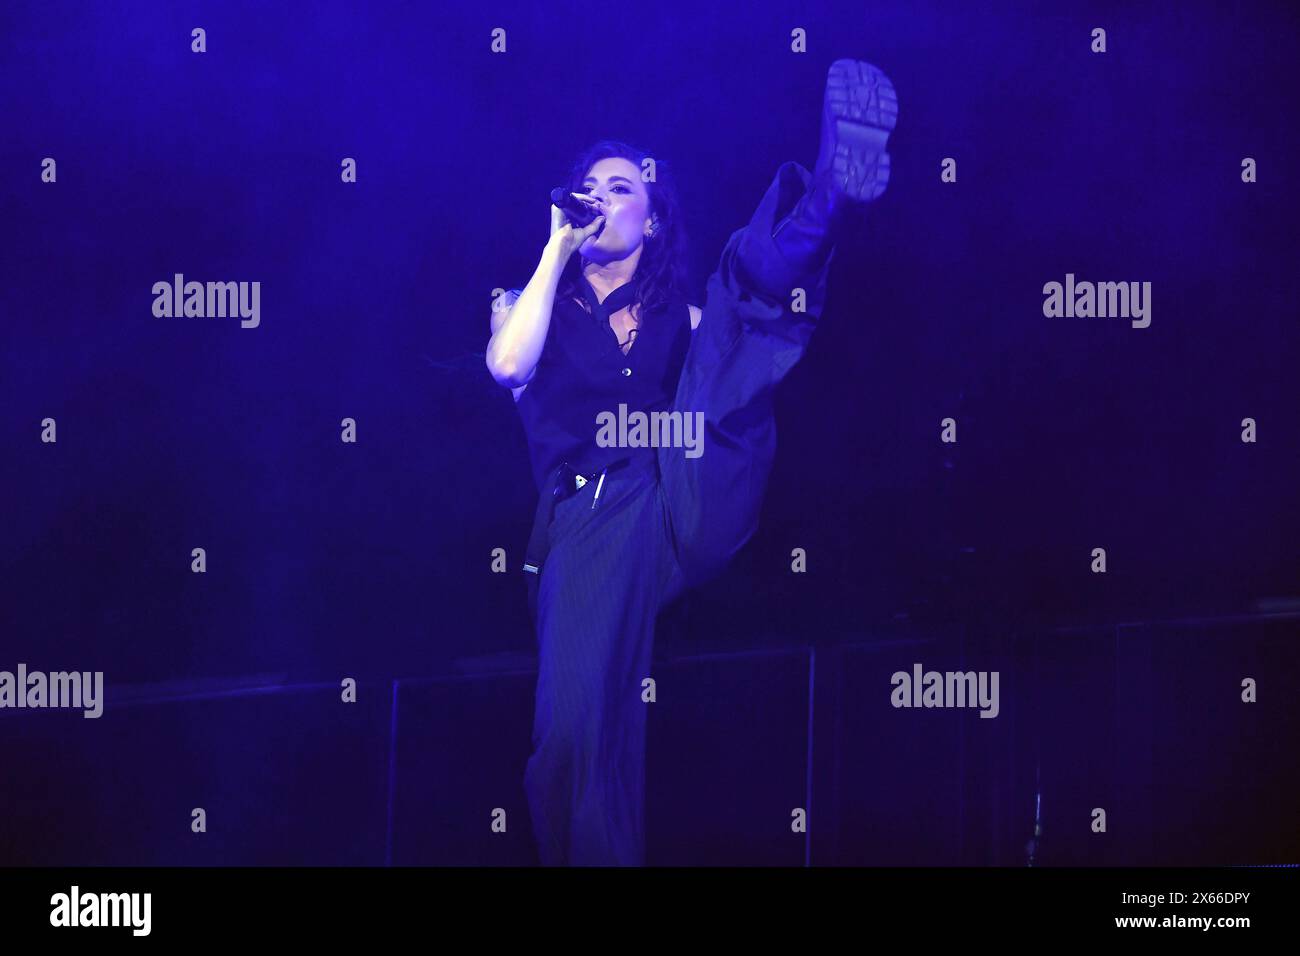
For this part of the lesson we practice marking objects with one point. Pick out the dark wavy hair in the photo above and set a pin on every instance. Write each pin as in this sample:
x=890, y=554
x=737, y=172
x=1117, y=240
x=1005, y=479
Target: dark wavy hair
x=661, y=272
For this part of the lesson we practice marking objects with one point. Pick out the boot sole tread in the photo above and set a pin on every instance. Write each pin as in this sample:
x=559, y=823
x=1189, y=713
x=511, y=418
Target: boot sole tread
x=862, y=104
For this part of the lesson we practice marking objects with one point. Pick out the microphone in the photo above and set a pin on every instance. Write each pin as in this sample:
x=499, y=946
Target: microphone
x=578, y=212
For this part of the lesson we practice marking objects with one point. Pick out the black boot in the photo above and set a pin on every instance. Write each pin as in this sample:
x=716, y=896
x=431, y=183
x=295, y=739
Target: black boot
x=859, y=111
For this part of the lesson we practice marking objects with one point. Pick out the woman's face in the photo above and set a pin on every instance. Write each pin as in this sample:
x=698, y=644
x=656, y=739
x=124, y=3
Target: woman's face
x=615, y=183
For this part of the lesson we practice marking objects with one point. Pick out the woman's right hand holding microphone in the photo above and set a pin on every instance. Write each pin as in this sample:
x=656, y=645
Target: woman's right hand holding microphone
x=565, y=237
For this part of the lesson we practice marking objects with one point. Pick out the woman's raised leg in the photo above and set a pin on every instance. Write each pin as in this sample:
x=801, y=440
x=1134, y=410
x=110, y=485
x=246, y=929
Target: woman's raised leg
x=760, y=310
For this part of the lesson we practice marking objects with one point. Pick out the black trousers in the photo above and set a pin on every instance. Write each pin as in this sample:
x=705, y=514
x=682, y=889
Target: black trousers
x=609, y=565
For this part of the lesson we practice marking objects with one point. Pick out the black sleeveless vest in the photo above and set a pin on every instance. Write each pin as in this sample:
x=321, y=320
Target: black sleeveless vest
x=583, y=373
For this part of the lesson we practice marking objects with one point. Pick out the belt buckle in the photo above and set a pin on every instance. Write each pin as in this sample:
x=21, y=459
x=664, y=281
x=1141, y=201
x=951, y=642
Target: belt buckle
x=571, y=483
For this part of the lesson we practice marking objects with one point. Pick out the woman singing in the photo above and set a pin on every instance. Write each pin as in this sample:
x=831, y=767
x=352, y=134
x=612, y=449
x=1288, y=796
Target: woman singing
x=621, y=530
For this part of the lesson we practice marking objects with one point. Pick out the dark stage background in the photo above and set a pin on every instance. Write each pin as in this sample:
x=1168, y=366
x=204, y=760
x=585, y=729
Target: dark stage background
x=372, y=560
